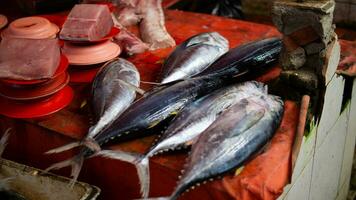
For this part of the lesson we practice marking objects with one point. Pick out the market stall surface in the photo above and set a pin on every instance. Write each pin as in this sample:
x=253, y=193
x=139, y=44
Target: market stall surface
x=118, y=180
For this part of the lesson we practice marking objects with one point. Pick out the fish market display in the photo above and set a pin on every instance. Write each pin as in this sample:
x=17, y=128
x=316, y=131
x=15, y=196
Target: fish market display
x=145, y=113
x=192, y=121
x=238, y=133
x=152, y=28
x=87, y=22
x=28, y=59
x=249, y=59
x=193, y=56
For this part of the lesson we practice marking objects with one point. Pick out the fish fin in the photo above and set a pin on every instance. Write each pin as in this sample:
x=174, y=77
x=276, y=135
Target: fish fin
x=249, y=120
x=143, y=172
x=239, y=170
x=240, y=74
x=64, y=147
x=153, y=124
x=133, y=87
x=88, y=142
x=141, y=163
x=119, y=155
x=4, y=140
x=150, y=83
x=91, y=144
x=75, y=162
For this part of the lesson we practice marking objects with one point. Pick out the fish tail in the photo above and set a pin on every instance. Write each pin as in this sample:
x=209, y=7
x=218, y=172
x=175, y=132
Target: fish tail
x=75, y=162
x=141, y=163
x=88, y=142
x=143, y=172
x=4, y=139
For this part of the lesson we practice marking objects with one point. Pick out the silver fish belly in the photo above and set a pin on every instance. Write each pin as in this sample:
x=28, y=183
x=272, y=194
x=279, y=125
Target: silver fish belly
x=194, y=56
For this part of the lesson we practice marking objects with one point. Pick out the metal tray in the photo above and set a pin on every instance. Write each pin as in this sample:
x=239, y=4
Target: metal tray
x=34, y=184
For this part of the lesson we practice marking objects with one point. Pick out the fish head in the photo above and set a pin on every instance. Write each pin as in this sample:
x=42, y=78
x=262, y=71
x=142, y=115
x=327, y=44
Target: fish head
x=210, y=38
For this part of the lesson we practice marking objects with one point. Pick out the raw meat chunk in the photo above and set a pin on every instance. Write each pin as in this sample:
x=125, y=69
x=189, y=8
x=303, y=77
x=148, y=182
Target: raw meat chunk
x=28, y=59
x=87, y=22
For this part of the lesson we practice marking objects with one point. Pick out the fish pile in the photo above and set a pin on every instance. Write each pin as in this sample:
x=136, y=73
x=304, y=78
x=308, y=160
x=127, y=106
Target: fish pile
x=203, y=98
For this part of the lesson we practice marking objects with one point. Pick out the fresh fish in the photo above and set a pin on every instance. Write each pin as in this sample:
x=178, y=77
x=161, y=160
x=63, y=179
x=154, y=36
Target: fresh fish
x=152, y=27
x=192, y=121
x=152, y=109
x=113, y=91
x=193, y=56
x=142, y=115
x=249, y=59
x=238, y=133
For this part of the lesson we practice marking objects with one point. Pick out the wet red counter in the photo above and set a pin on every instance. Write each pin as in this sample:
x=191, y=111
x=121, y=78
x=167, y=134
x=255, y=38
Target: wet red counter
x=118, y=180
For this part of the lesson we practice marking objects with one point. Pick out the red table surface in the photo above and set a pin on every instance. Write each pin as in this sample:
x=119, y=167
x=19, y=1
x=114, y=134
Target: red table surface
x=118, y=180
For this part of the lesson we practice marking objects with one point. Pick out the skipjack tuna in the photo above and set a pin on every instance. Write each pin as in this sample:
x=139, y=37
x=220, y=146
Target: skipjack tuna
x=250, y=59
x=113, y=91
x=144, y=114
x=193, y=56
x=191, y=122
x=238, y=133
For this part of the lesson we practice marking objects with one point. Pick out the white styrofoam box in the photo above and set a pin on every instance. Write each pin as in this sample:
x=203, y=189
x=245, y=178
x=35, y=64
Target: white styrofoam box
x=348, y=149
x=305, y=156
x=301, y=187
x=332, y=61
x=328, y=159
x=350, y=140
x=306, y=153
x=331, y=108
x=343, y=190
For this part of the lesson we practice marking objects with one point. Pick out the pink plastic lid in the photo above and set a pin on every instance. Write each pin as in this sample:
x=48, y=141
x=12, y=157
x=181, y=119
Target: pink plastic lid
x=3, y=21
x=31, y=27
x=90, y=54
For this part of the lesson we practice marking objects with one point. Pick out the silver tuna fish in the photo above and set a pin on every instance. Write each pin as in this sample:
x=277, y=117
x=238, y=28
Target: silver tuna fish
x=193, y=56
x=113, y=91
x=192, y=121
x=238, y=133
